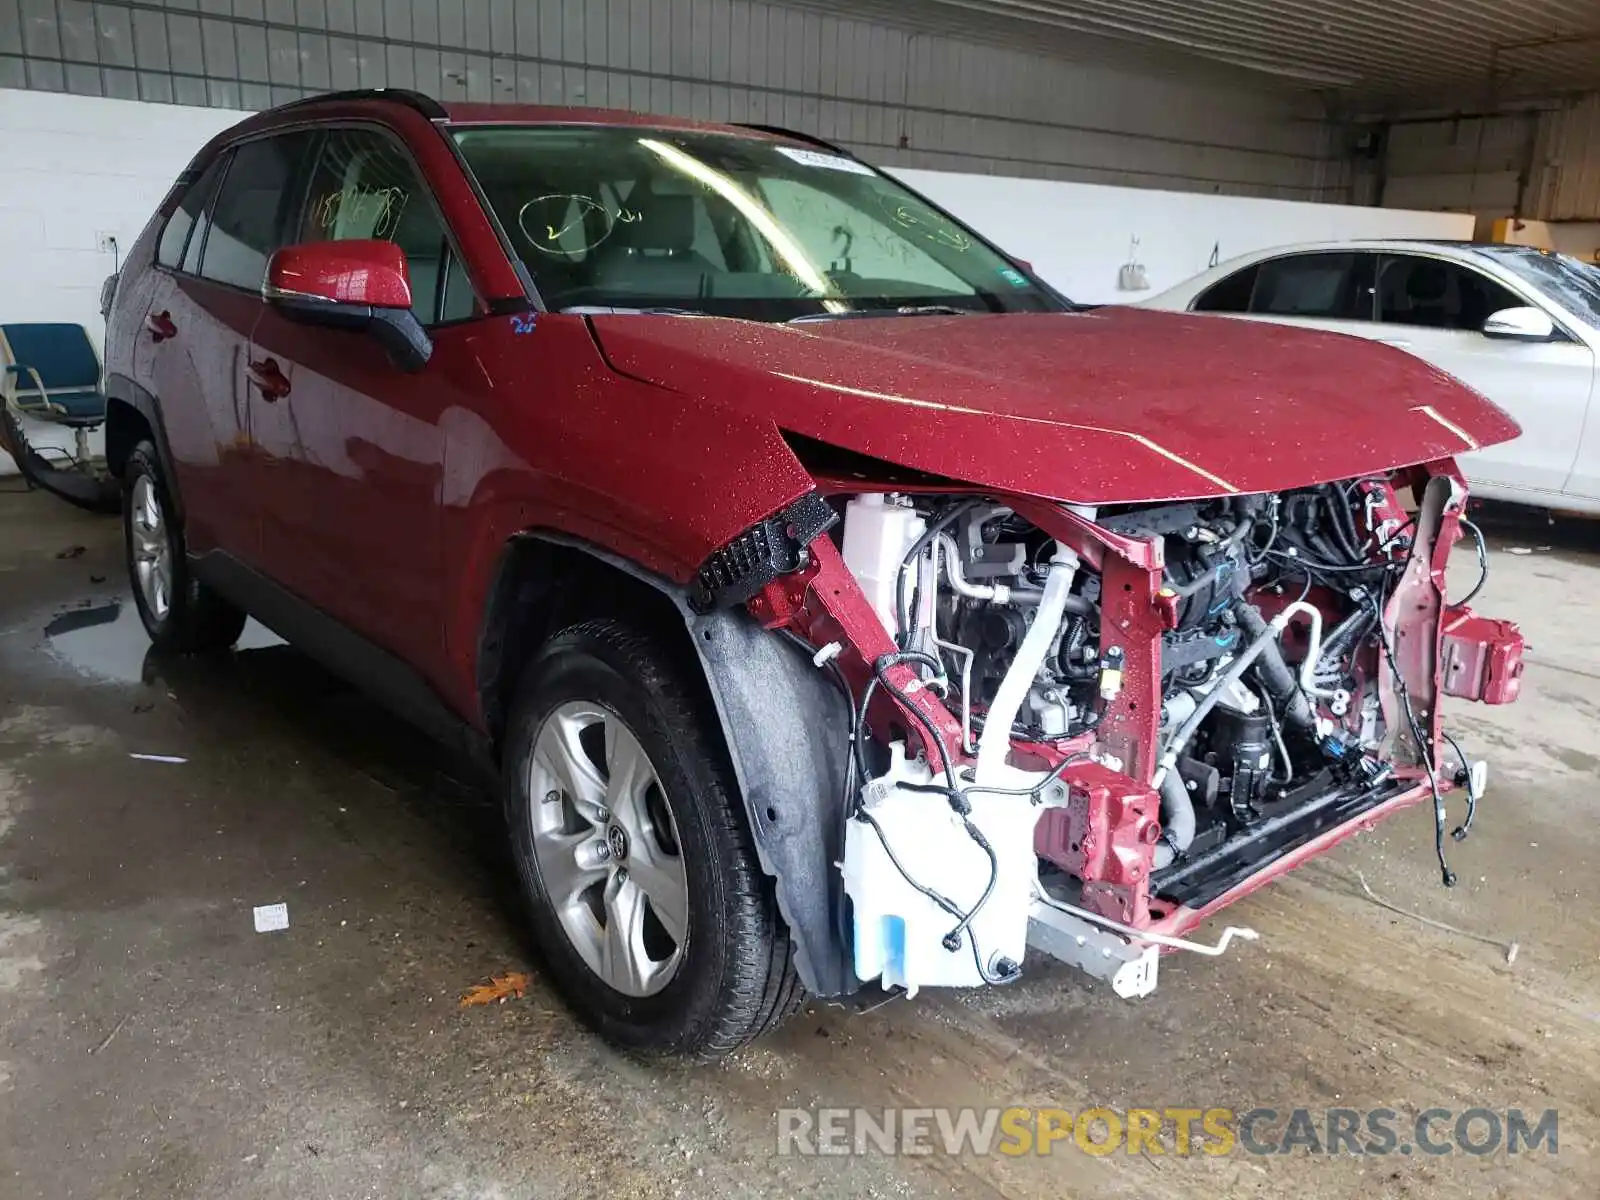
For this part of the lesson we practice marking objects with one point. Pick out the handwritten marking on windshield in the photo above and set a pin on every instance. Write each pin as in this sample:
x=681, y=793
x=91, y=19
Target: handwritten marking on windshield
x=1147, y=443
x=562, y=215
x=925, y=222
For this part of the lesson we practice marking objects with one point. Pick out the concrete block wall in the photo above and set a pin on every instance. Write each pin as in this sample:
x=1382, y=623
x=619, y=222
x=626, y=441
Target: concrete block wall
x=73, y=170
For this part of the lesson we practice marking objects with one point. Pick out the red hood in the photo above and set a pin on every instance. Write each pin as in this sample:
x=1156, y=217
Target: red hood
x=1104, y=407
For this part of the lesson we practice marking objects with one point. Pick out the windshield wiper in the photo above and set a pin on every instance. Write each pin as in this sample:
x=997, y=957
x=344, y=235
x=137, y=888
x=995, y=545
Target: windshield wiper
x=904, y=310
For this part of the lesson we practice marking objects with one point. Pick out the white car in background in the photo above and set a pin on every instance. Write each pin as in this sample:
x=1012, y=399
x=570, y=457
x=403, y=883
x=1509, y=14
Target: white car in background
x=1521, y=326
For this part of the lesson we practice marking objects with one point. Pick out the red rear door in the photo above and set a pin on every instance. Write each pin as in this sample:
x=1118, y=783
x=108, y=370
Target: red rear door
x=186, y=353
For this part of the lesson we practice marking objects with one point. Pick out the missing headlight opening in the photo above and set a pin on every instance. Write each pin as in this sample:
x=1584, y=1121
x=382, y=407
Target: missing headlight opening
x=1083, y=730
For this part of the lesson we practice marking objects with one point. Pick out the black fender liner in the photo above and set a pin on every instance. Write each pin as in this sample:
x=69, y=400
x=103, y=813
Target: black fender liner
x=121, y=388
x=786, y=727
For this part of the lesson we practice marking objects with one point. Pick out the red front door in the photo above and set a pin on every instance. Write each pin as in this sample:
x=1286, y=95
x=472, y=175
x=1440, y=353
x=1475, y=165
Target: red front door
x=353, y=450
x=352, y=461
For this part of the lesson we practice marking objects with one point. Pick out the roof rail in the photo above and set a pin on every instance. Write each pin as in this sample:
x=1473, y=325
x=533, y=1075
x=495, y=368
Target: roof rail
x=426, y=105
x=809, y=138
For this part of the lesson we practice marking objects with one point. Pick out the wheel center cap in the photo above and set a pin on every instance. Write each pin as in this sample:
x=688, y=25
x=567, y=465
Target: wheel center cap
x=617, y=839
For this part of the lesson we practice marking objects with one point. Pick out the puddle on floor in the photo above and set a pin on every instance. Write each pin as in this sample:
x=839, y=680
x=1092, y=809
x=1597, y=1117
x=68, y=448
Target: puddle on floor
x=107, y=640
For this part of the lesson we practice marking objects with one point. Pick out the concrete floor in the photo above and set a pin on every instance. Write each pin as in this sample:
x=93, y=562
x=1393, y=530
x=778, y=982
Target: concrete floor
x=152, y=1044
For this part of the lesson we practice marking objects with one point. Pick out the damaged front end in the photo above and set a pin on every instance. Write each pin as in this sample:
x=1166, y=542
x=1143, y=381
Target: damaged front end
x=1084, y=731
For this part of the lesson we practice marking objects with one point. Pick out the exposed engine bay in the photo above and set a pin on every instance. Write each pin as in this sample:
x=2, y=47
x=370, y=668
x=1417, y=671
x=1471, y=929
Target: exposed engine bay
x=1090, y=728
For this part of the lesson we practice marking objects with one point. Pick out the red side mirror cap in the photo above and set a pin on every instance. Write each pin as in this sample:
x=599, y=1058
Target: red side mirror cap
x=365, y=272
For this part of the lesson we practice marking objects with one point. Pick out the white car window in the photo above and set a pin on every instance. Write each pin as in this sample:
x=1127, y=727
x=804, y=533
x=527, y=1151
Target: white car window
x=1414, y=289
x=1334, y=285
x=1231, y=295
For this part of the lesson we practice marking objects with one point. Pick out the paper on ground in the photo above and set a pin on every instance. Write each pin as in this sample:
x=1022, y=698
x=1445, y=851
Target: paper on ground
x=270, y=918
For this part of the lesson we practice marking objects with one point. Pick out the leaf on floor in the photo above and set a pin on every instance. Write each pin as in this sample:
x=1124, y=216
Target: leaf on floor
x=499, y=989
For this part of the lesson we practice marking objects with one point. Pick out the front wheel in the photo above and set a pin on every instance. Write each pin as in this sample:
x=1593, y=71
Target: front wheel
x=647, y=899
x=179, y=612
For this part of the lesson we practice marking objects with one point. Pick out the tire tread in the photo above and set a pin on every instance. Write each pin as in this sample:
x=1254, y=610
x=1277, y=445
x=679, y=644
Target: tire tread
x=761, y=985
x=200, y=620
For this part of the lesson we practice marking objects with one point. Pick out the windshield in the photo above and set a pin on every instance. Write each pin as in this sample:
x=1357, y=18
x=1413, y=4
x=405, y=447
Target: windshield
x=615, y=217
x=1570, y=282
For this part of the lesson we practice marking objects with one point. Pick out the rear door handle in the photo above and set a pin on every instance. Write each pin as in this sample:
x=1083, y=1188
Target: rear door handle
x=267, y=379
x=160, y=326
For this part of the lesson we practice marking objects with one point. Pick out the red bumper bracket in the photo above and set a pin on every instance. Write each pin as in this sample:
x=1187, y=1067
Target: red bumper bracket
x=1482, y=657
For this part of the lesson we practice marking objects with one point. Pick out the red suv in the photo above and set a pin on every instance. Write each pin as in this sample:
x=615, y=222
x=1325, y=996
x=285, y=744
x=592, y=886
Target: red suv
x=839, y=604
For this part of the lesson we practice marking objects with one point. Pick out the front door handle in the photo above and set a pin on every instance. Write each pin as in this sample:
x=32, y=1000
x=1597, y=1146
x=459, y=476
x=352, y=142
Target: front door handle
x=160, y=326
x=268, y=379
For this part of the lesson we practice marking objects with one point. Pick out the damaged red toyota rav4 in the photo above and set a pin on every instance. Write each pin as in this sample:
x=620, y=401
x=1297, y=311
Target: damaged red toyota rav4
x=843, y=608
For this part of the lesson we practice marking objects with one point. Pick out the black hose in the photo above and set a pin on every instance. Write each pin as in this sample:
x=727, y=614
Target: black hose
x=902, y=635
x=1344, y=525
x=1276, y=675
x=1344, y=631
x=1325, y=549
x=1177, y=815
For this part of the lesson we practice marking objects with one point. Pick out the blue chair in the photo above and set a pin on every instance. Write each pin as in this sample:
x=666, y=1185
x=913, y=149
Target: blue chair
x=50, y=372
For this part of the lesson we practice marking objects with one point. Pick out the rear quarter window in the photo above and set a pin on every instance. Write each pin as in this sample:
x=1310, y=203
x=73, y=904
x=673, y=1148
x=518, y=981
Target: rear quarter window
x=181, y=224
x=1232, y=295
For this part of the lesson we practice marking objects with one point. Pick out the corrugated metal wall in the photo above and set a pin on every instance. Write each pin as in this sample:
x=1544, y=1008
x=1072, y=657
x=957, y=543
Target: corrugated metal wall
x=901, y=98
x=1573, y=192
x=1549, y=159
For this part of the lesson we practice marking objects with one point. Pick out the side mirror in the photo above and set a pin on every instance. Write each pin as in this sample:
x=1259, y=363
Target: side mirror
x=359, y=284
x=1521, y=325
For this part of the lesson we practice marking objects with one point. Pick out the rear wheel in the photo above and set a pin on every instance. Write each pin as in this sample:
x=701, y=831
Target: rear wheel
x=647, y=899
x=179, y=612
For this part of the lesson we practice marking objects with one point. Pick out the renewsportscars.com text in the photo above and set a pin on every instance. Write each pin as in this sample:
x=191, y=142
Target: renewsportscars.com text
x=1213, y=1132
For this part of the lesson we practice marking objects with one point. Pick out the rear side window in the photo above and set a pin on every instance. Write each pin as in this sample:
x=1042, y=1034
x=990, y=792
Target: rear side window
x=249, y=212
x=1334, y=286
x=365, y=186
x=169, y=252
x=1232, y=295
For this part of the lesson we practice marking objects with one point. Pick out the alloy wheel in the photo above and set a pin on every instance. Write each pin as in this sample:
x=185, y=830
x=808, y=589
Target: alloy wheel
x=607, y=848
x=151, y=547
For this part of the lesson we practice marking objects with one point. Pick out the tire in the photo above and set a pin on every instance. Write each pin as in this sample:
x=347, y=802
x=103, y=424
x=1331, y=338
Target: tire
x=181, y=615
x=712, y=976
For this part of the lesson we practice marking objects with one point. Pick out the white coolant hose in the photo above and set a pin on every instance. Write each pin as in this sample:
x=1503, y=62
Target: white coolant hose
x=996, y=738
x=1308, y=665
